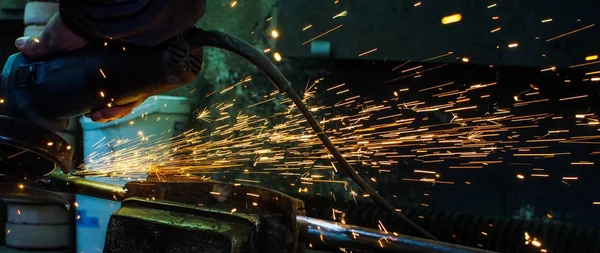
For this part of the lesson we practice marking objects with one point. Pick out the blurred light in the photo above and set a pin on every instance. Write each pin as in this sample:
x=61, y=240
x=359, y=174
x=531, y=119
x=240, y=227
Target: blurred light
x=591, y=57
x=511, y=45
x=451, y=19
x=275, y=34
x=277, y=56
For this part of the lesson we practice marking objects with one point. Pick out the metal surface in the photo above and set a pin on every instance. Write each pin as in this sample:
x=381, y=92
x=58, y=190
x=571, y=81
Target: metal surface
x=27, y=150
x=277, y=210
x=163, y=226
x=336, y=234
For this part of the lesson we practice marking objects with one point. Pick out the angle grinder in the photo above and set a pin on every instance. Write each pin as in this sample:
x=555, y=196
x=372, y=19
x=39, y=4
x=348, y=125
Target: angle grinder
x=39, y=96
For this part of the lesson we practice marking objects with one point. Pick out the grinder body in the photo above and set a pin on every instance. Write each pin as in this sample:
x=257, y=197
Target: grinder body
x=52, y=90
x=39, y=96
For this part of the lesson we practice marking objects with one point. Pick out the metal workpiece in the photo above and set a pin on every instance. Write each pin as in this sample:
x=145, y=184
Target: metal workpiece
x=73, y=184
x=340, y=235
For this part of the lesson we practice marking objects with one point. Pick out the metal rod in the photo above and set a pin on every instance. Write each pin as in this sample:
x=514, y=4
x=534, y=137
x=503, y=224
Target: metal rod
x=67, y=183
x=336, y=234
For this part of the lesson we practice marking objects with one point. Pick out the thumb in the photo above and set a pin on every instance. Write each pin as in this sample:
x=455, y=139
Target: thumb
x=33, y=47
x=56, y=37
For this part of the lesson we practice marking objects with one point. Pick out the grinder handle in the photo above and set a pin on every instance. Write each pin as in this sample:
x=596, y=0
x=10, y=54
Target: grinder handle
x=98, y=75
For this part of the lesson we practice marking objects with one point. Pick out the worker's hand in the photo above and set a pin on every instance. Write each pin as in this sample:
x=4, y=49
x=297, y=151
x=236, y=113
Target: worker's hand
x=57, y=37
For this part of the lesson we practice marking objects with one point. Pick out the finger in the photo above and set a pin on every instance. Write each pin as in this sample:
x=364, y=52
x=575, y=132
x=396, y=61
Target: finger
x=32, y=47
x=56, y=37
x=112, y=113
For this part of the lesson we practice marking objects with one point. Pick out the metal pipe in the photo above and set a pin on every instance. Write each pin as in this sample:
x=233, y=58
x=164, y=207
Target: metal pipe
x=67, y=183
x=336, y=234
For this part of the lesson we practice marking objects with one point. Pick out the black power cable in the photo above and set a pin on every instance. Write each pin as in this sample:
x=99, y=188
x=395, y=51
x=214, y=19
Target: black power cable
x=235, y=45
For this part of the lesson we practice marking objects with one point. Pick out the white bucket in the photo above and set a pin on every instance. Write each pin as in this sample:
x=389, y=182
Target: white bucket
x=39, y=12
x=32, y=225
x=93, y=215
x=33, y=30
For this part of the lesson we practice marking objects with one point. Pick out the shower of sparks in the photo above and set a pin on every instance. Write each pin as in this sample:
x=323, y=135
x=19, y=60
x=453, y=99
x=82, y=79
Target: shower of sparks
x=204, y=115
x=373, y=134
x=420, y=132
